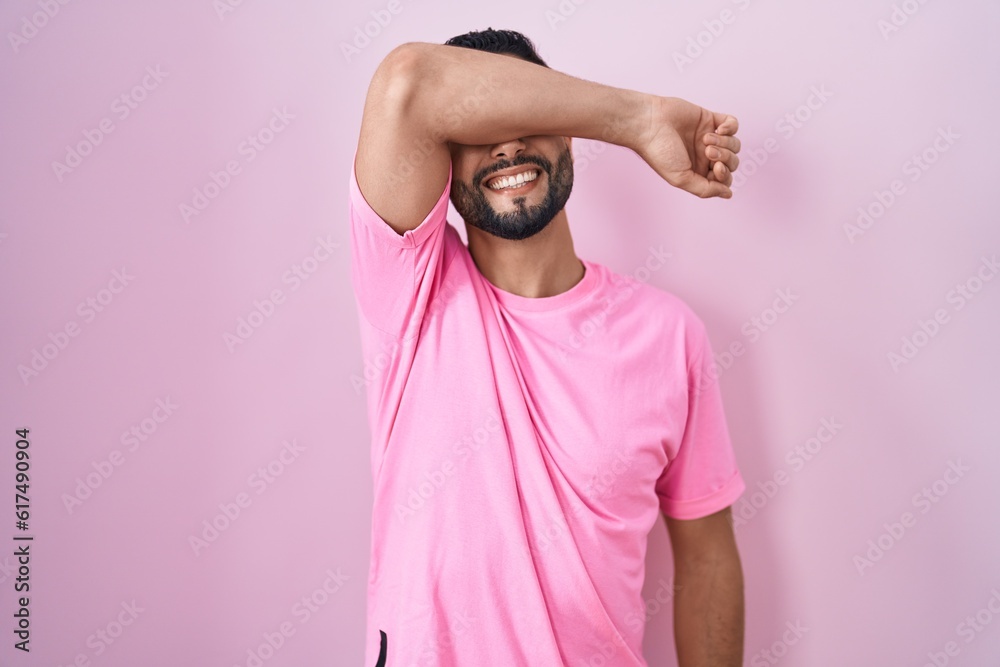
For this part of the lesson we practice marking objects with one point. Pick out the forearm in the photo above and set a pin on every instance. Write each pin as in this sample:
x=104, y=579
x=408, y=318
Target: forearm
x=476, y=98
x=709, y=612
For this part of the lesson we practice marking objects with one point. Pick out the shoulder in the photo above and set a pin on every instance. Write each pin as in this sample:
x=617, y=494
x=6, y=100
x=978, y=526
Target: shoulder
x=659, y=303
x=655, y=315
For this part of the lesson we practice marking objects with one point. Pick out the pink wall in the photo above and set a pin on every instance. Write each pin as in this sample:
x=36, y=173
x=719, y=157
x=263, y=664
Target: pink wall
x=134, y=306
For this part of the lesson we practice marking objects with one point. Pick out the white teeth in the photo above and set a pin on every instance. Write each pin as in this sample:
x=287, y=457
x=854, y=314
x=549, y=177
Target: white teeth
x=505, y=182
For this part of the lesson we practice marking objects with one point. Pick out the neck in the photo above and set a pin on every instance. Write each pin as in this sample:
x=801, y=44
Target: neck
x=539, y=266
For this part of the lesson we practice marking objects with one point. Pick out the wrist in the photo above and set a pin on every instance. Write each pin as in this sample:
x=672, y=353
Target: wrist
x=632, y=127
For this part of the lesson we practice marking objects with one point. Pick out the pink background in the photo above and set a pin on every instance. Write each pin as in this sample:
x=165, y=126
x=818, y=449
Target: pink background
x=162, y=336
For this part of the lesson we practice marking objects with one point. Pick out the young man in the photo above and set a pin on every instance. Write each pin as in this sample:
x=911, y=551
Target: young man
x=532, y=413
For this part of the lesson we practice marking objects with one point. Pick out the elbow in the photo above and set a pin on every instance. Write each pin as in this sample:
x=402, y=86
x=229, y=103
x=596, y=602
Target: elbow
x=396, y=79
x=403, y=60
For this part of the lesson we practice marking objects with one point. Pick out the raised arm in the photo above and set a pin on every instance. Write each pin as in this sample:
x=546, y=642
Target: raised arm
x=424, y=96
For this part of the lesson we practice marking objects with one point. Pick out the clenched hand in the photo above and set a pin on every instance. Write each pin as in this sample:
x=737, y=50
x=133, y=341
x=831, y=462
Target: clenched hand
x=690, y=147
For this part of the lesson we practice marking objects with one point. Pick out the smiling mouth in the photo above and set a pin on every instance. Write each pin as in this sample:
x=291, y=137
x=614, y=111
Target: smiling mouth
x=515, y=181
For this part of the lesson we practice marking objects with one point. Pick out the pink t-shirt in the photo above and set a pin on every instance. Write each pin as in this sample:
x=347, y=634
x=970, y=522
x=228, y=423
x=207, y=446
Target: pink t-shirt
x=522, y=448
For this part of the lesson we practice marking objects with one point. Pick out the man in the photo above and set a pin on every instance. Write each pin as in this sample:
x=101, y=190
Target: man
x=532, y=413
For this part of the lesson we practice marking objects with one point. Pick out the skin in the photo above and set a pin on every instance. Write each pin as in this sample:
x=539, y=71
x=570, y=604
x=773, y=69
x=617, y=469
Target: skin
x=709, y=602
x=470, y=110
x=544, y=263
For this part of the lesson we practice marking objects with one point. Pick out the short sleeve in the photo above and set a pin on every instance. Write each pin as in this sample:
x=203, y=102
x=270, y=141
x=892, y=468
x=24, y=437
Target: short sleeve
x=393, y=275
x=703, y=477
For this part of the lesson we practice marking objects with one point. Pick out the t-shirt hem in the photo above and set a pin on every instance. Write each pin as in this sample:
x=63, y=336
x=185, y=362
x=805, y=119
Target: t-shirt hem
x=710, y=504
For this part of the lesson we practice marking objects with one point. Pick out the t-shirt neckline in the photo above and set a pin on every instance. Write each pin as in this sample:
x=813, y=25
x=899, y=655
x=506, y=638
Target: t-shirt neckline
x=585, y=286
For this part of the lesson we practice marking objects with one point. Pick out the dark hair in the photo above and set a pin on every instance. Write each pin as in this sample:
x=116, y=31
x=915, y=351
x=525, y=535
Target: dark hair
x=499, y=41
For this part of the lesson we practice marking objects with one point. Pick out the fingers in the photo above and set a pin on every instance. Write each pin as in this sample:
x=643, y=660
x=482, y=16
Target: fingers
x=729, y=125
x=722, y=147
x=707, y=187
x=720, y=173
x=724, y=156
x=726, y=144
x=723, y=142
x=721, y=151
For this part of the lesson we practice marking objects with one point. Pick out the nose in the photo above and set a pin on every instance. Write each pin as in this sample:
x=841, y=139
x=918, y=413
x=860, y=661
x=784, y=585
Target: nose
x=507, y=149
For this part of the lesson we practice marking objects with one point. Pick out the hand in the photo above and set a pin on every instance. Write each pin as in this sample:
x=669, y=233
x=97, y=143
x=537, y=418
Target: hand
x=690, y=147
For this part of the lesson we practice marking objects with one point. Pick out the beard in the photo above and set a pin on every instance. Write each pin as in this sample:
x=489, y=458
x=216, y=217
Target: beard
x=524, y=221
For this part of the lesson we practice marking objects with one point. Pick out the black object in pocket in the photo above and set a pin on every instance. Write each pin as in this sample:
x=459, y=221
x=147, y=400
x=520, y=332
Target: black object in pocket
x=381, y=650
